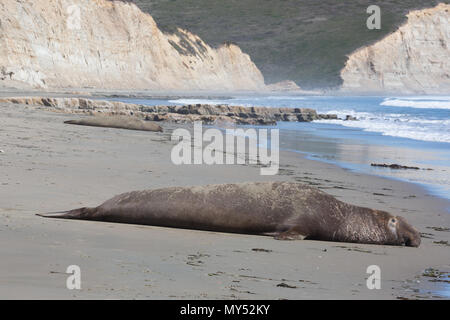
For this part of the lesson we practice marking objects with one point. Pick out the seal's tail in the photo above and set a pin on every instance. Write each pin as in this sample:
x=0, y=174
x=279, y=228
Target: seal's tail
x=71, y=214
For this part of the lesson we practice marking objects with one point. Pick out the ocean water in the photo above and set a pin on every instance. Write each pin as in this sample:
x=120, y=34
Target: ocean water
x=419, y=118
x=407, y=130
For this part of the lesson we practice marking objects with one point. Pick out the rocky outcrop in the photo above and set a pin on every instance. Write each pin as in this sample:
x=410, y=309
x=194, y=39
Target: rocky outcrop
x=414, y=59
x=393, y=166
x=111, y=45
x=209, y=114
x=284, y=86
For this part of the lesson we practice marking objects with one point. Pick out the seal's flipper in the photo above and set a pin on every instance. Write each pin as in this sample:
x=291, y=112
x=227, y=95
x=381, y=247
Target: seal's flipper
x=60, y=214
x=290, y=235
x=72, y=214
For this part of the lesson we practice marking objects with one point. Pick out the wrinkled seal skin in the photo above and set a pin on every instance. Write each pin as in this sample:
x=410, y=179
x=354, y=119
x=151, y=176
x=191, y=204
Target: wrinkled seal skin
x=288, y=211
x=117, y=122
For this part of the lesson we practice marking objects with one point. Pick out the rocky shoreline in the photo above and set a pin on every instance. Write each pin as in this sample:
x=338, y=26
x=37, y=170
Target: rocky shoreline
x=208, y=114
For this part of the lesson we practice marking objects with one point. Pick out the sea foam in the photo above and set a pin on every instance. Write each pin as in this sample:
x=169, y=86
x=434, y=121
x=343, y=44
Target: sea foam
x=442, y=103
x=396, y=125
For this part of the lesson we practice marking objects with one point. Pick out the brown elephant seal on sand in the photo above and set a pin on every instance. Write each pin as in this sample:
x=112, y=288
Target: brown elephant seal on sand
x=288, y=211
x=118, y=122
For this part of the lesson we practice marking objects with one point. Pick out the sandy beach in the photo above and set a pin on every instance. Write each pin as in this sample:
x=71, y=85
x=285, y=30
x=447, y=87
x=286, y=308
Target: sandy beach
x=49, y=166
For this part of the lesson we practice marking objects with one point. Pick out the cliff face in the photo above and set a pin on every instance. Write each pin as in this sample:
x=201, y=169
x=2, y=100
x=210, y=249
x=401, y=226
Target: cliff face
x=116, y=46
x=414, y=59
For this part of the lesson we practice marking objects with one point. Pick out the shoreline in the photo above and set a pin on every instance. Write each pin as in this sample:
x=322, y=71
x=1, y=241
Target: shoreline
x=211, y=113
x=49, y=166
x=94, y=93
x=430, y=189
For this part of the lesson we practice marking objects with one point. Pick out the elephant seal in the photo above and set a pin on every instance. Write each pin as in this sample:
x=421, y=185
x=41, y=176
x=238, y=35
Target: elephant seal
x=118, y=122
x=288, y=211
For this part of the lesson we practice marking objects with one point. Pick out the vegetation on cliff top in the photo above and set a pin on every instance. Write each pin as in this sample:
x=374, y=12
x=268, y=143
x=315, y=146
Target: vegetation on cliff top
x=302, y=40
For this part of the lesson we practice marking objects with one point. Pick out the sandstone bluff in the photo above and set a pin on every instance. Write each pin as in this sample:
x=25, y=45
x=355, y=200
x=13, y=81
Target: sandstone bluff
x=414, y=59
x=114, y=45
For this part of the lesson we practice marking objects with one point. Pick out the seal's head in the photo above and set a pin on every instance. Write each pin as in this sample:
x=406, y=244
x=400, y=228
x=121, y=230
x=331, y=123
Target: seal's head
x=404, y=233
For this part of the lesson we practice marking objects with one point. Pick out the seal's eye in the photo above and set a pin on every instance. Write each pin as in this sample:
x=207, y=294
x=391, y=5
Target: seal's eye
x=392, y=224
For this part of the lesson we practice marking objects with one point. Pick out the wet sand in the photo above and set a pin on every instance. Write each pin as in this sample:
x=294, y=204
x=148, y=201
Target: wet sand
x=49, y=166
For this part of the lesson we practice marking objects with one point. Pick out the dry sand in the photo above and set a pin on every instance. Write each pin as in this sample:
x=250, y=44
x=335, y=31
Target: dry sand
x=49, y=166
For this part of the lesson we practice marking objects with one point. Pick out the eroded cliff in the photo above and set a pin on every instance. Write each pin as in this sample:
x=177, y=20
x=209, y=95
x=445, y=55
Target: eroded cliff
x=414, y=59
x=113, y=45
